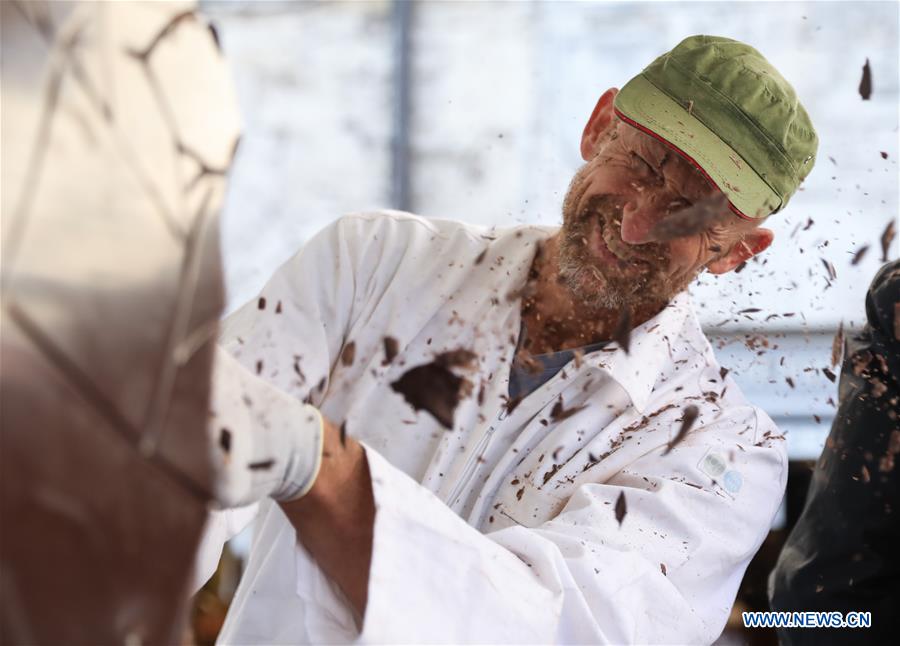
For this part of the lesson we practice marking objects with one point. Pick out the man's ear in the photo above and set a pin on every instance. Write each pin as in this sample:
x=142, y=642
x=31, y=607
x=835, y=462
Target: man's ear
x=600, y=121
x=755, y=241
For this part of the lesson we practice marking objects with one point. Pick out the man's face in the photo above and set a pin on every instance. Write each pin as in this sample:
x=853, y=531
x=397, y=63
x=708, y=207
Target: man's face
x=608, y=257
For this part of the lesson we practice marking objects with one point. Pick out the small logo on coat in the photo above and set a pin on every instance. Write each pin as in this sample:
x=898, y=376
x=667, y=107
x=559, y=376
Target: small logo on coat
x=715, y=465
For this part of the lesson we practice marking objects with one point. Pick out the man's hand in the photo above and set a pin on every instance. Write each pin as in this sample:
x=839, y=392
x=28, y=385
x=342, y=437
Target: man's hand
x=335, y=520
x=266, y=443
x=263, y=441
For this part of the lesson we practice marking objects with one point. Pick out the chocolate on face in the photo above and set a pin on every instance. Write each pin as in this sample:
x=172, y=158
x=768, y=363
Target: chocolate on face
x=635, y=182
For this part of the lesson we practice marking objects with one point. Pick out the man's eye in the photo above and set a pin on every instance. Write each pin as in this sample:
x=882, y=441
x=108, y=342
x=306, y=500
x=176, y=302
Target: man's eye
x=644, y=167
x=648, y=174
x=641, y=163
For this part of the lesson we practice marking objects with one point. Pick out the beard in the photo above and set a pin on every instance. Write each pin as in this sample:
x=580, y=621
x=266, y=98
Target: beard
x=638, y=277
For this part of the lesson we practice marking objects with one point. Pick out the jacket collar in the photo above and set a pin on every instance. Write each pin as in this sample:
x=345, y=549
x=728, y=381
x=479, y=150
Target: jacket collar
x=654, y=348
x=654, y=345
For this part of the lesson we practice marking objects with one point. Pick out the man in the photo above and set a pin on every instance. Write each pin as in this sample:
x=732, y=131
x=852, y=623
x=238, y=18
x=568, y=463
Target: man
x=841, y=555
x=494, y=467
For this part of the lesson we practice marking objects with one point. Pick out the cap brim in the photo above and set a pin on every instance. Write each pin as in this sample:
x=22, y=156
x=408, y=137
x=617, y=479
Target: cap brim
x=643, y=105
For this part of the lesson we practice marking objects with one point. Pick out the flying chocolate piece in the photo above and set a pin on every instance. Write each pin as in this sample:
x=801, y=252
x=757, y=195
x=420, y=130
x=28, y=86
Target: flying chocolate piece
x=621, y=508
x=687, y=421
x=865, y=84
x=700, y=216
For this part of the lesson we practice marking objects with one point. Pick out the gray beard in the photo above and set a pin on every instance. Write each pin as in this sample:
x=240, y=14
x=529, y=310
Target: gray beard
x=599, y=286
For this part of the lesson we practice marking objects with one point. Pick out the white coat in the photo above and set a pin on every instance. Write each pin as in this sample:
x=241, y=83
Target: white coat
x=504, y=529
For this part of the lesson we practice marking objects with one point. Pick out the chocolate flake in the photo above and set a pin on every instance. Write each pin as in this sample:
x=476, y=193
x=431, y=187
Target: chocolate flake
x=298, y=370
x=837, y=345
x=348, y=354
x=460, y=358
x=391, y=347
x=859, y=254
x=558, y=413
x=225, y=440
x=865, y=84
x=832, y=274
x=344, y=434
x=696, y=218
x=262, y=465
x=828, y=373
x=722, y=372
x=278, y=307
x=622, y=333
x=621, y=508
x=740, y=267
x=432, y=387
x=511, y=403
x=688, y=418
x=662, y=568
x=259, y=366
x=480, y=258
x=886, y=238
x=261, y=303
x=790, y=382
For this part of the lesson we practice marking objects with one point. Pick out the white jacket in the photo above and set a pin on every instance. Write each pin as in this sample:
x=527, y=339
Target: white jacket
x=504, y=529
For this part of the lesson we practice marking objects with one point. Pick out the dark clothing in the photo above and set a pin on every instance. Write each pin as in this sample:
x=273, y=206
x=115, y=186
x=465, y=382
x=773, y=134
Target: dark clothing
x=524, y=380
x=844, y=553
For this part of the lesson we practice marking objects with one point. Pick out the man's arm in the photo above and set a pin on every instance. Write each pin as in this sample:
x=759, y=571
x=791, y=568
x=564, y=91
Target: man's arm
x=335, y=520
x=581, y=576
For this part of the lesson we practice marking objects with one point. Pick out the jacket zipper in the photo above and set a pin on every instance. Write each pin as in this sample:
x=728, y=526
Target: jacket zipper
x=471, y=461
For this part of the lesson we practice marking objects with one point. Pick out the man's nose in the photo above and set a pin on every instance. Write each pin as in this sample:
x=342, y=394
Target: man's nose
x=638, y=221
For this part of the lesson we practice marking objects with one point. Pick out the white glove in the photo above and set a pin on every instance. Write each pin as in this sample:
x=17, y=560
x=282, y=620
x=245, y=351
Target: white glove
x=263, y=441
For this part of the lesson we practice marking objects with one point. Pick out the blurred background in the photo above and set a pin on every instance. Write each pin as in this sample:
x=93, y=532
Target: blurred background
x=474, y=110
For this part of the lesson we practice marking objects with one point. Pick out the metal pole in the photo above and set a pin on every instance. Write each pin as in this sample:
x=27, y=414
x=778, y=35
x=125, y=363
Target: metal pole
x=400, y=26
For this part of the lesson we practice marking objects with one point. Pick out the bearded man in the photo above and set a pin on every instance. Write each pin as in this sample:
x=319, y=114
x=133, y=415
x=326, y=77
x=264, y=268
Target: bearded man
x=518, y=435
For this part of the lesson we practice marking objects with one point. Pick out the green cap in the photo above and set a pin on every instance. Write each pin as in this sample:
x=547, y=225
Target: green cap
x=722, y=106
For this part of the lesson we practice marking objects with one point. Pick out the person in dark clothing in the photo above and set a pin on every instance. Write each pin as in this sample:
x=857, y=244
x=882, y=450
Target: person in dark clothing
x=844, y=553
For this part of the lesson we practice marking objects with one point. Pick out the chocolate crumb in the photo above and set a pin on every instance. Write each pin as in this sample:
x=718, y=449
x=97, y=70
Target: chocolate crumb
x=263, y=465
x=348, y=354
x=865, y=84
x=696, y=218
x=621, y=508
x=391, y=347
x=886, y=238
x=622, y=333
x=837, y=345
x=689, y=416
x=559, y=413
x=859, y=254
x=225, y=440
